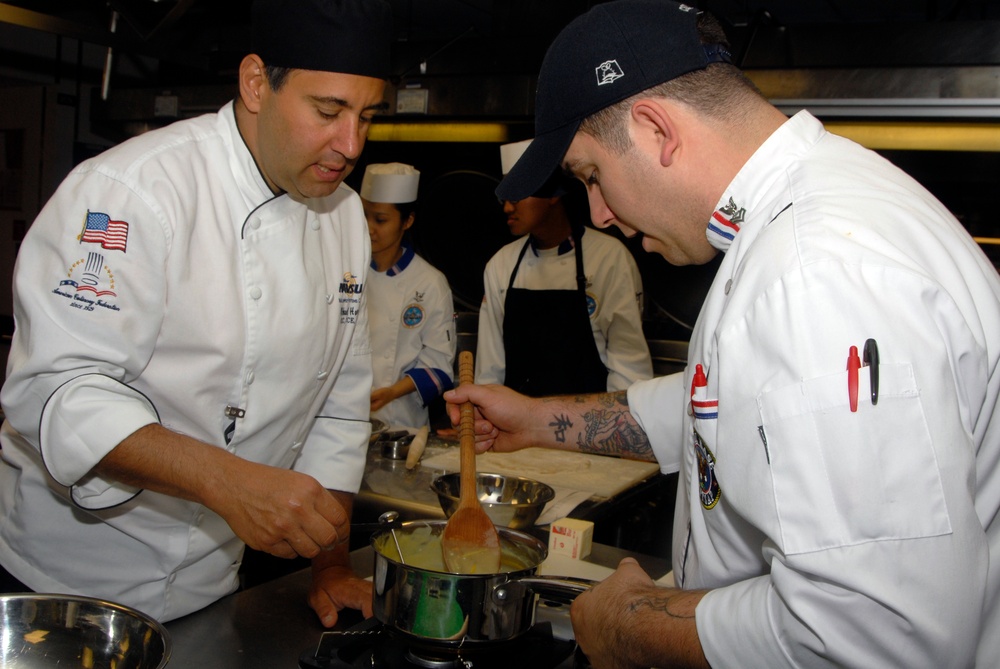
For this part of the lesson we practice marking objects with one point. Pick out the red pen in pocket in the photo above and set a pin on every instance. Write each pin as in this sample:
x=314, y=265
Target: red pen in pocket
x=853, y=365
x=701, y=406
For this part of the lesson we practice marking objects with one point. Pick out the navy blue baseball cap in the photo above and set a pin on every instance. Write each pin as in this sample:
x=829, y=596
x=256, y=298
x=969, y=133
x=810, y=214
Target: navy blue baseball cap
x=611, y=52
x=347, y=36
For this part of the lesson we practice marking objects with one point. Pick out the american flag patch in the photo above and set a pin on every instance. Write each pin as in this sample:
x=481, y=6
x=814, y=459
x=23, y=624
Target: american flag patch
x=100, y=229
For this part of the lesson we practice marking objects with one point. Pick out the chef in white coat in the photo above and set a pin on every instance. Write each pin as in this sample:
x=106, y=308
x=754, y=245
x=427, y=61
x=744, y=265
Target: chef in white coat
x=562, y=304
x=411, y=313
x=837, y=430
x=190, y=371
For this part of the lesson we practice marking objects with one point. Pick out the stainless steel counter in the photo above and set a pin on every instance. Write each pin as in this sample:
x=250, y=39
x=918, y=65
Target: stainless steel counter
x=270, y=626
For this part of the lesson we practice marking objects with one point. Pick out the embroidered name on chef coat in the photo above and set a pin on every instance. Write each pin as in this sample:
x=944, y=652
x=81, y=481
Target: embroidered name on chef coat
x=350, y=298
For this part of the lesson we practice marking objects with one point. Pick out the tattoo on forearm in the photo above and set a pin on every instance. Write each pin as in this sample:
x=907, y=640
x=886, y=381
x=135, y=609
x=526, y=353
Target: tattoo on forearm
x=616, y=399
x=671, y=605
x=560, y=425
x=607, y=430
x=611, y=430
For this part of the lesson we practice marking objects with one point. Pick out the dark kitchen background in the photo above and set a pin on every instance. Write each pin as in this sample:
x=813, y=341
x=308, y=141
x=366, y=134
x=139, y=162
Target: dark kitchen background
x=918, y=80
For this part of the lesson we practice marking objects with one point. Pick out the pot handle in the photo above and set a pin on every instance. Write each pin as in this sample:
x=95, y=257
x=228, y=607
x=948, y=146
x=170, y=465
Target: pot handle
x=559, y=589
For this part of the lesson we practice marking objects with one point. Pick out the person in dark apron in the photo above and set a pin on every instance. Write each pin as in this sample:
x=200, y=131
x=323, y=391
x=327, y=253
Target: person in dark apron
x=548, y=341
x=547, y=326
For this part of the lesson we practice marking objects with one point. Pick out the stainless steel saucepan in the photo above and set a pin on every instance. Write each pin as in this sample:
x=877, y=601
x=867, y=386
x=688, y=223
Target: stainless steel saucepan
x=416, y=596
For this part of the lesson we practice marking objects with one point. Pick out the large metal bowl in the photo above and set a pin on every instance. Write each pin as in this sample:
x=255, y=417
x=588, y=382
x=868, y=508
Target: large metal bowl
x=38, y=631
x=509, y=501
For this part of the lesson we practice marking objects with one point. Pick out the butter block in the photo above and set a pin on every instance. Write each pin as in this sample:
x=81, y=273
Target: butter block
x=571, y=537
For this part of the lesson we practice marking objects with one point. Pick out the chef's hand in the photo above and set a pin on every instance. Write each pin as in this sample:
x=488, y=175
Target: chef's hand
x=380, y=397
x=336, y=587
x=627, y=621
x=281, y=512
x=502, y=415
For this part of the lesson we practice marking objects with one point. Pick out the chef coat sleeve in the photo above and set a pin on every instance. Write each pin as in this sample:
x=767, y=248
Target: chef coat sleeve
x=876, y=554
x=658, y=405
x=490, y=355
x=75, y=352
x=432, y=372
x=628, y=357
x=337, y=445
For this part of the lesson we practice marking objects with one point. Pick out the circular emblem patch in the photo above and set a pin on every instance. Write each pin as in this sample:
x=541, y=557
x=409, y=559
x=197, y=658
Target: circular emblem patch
x=591, y=305
x=413, y=315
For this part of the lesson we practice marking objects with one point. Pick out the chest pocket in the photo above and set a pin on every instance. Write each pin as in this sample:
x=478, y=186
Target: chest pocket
x=843, y=478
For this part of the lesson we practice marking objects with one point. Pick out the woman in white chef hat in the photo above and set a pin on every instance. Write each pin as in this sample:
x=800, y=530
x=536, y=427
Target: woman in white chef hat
x=410, y=308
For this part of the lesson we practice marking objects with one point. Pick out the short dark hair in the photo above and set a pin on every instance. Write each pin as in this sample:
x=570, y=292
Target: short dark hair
x=406, y=209
x=276, y=76
x=718, y=91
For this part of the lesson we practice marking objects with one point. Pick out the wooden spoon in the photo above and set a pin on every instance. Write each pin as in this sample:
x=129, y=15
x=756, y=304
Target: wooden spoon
x=470, y=543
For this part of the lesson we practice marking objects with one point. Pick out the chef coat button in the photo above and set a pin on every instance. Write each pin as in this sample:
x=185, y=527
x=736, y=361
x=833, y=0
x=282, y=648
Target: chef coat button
x=200, y=519
x=388, y=354
x=256, y=292
x=729, y=284
x=329, y=298
x=322, y=375
x=297, y=446
x=255, y=224
x=250, y=377
x=314, y=224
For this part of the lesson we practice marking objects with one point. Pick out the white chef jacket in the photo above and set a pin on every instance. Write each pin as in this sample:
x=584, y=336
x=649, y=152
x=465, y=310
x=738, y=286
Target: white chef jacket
x=165, y=283
x=832, y=537
x=413, y=333
x=614, y=295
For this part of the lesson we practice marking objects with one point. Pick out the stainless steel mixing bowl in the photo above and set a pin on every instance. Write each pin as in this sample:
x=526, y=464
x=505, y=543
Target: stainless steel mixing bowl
x=38, y=631
x=509, y=501
x=378, y=429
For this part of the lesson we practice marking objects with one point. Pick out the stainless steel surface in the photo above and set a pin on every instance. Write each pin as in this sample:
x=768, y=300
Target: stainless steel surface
x=432, y=605
x=389, y=486
x=509, y=501
x=38, y=631
x=271, y=625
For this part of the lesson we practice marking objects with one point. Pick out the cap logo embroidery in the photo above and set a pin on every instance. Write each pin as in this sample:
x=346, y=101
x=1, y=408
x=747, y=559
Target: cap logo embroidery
x=687, y=8
x=608, y=72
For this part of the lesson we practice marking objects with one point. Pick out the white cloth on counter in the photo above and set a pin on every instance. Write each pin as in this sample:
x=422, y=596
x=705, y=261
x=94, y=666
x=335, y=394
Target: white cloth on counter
x=194, y=290
x=412, y=320
x=613, y=283
x=831, y=537
x=562, y=504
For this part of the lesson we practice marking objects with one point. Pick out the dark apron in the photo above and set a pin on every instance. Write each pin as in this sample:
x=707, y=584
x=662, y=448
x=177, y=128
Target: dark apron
x=549, y=346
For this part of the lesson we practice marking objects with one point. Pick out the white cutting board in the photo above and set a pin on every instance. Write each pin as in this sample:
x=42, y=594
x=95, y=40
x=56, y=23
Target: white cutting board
x=601, y=475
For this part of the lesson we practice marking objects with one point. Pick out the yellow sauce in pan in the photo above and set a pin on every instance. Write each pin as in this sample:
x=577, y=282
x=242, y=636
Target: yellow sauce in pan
x=421, y=548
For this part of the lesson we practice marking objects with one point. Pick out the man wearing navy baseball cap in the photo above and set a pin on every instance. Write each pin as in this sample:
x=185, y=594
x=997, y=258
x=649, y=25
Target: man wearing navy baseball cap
x=836, y=430
x=191, y=369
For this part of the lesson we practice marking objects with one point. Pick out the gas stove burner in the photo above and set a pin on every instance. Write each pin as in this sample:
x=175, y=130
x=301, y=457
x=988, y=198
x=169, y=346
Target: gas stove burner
x=371, y=645
x=418, y=659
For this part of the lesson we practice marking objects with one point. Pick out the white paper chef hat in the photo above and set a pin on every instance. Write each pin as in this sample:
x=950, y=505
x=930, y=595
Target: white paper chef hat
x=509, y=153
x=392, y=183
